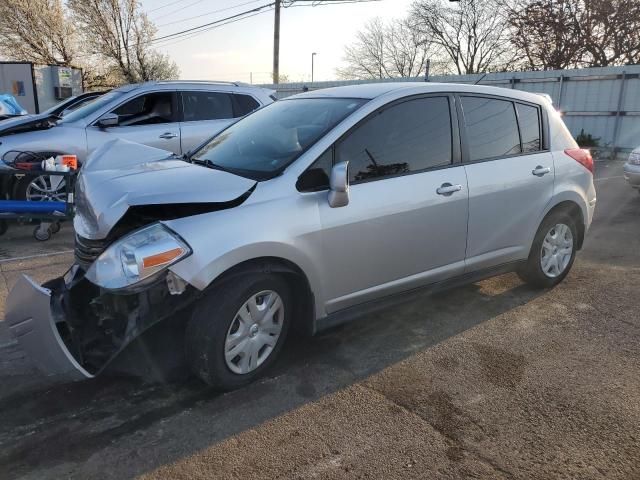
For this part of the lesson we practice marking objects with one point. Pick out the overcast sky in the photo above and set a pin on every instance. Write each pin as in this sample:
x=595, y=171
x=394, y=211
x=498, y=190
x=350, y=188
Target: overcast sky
x=232, y=51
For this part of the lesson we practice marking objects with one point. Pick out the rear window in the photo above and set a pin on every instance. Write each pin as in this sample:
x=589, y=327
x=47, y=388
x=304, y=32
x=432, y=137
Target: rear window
x=492, y=127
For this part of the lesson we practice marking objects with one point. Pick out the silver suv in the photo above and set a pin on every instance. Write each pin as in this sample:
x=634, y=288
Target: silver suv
x=173, y=115
x=304, y=214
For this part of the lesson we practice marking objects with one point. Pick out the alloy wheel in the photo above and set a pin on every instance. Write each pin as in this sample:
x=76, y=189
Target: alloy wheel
x=254, y=332
x=47, y=188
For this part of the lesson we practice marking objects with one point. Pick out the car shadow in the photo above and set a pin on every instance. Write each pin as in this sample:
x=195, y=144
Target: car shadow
x=47, y=425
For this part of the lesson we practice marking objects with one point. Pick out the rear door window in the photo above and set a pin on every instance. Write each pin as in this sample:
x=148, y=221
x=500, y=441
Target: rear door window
x=407, y=137
x=492, y=128
x=529, y=121
x=206, y=106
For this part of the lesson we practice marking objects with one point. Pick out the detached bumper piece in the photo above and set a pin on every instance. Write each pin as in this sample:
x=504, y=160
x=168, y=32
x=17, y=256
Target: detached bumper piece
x=73, y=329
x=30, y=320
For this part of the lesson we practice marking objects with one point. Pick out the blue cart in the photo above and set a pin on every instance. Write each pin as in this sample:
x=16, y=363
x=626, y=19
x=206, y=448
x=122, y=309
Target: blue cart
x=48, y=214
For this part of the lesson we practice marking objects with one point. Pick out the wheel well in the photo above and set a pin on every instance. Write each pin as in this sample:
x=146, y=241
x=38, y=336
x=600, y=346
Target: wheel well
x=575, y=212
x=303, y=320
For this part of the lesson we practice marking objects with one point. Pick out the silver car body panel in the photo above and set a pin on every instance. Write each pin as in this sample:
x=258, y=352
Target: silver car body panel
x=104, y=195
x=396, y=234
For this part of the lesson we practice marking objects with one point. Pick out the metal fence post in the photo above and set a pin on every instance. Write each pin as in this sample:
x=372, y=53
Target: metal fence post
x=559, y=102
x=616, y=128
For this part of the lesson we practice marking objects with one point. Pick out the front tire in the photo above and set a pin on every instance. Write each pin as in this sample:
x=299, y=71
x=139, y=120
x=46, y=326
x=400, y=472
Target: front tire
x=238, y=329
x=552, y=253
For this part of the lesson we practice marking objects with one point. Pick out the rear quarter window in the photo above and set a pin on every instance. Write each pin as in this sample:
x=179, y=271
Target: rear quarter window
x=530, y=127
x=245, y=104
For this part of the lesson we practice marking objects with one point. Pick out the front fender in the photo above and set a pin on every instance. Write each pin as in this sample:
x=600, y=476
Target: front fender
x=285, y=228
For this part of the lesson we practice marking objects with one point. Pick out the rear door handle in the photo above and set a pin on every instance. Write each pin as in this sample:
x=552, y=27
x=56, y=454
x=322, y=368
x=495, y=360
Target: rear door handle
x=448, y=189
x=168, y=135
x=540, y=171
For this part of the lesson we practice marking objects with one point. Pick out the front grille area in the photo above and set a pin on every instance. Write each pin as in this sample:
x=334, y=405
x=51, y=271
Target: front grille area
x=86, y=251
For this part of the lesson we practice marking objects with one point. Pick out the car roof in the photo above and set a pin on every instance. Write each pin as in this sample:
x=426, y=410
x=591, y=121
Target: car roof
x=172, y=84
x=370, y=91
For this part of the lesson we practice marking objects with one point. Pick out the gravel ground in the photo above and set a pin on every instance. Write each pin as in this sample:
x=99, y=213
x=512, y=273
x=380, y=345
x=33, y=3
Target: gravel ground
x=493, y=380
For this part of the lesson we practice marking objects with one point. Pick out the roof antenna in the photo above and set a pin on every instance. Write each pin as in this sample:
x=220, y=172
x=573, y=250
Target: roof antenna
x=480, y=79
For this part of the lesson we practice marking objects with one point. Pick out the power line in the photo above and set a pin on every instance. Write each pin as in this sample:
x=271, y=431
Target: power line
x=209, y=13
x=290, y=3
x=181, y=38
x=179, y=9
x=199, y=27
x=166, y=5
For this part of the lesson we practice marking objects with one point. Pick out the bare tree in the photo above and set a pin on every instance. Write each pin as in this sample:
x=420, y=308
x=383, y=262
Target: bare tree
x=556, y=34
x=386, y=50
x=547, y=32
x=120, y=33
x=37, y=31
x=473, y=34
x=609, y=31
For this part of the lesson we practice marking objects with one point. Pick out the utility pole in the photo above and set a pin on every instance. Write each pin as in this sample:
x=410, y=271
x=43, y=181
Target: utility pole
x=276, y=44
x=312, y=57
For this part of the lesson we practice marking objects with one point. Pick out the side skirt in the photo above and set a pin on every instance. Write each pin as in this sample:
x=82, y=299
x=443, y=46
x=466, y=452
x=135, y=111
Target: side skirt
x=356, y=311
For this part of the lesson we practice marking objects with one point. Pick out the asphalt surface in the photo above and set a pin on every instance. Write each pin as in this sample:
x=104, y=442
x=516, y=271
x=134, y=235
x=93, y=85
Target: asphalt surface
x=493, y=380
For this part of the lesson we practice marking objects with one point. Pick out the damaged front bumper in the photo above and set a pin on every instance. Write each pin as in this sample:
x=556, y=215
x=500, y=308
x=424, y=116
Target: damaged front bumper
x=32, y=323
x=73, y=329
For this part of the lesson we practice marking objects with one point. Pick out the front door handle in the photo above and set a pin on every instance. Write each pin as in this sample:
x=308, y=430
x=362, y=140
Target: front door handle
x=168, y=135
x=541, y=171
x=447, y=189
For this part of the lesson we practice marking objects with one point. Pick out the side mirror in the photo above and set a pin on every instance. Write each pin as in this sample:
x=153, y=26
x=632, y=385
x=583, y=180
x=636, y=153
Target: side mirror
x=108, y=120
x=339, y=185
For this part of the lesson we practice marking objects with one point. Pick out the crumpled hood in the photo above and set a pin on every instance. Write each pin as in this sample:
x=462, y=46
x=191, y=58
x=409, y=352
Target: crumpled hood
x=121, y=174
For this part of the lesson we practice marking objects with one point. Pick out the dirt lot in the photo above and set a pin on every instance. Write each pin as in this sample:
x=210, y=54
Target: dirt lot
x=492, y=380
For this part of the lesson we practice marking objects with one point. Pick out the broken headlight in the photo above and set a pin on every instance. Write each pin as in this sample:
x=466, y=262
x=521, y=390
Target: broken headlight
x=137, y=257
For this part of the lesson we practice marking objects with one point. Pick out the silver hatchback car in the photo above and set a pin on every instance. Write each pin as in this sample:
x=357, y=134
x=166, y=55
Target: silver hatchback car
x=304, y=214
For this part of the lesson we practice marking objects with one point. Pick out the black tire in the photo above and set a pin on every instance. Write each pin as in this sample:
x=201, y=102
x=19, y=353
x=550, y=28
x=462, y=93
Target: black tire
x=211, y=320
x=55, y=227
x=4, y=226
x=532, y=272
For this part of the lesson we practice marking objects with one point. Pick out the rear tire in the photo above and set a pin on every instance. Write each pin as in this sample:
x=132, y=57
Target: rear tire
x=224, y=317
x=549, y=259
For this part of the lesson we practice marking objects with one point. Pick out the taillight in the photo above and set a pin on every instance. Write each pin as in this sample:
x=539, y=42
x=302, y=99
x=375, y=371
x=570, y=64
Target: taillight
x=581, y=156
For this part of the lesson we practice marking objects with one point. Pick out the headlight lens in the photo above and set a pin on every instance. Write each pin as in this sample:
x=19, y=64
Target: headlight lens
x=634, y=158
x=137, y=257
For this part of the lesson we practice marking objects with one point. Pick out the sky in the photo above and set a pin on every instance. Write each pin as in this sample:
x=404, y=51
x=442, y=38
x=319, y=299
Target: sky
x=232, y=52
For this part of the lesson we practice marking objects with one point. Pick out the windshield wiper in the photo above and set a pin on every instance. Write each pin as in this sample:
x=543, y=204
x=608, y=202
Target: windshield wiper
x=211, y=165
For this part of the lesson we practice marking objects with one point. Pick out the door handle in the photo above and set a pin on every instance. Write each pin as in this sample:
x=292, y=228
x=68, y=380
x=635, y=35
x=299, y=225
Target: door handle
x=447, y=189
x=168, y=135
x=540, y=171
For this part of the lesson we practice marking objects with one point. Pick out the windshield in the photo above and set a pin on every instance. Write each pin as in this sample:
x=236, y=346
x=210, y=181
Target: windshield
x=263, y=144
x=92, y=106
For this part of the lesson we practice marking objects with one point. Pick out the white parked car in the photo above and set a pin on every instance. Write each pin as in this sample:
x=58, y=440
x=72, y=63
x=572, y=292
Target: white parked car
x=172, y=115
x=632, y=169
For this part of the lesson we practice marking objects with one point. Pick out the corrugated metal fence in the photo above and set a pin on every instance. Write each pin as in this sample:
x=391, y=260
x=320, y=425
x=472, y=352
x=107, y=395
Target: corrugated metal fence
x=604, y=102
